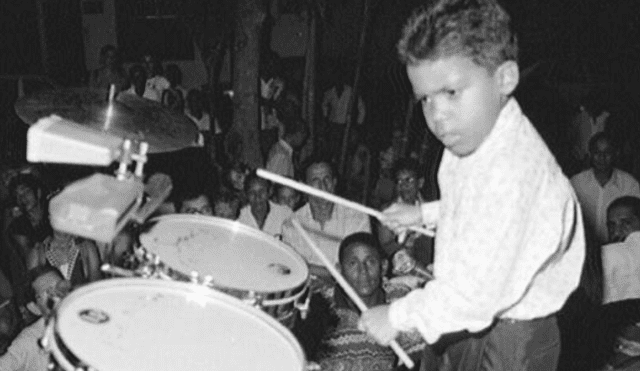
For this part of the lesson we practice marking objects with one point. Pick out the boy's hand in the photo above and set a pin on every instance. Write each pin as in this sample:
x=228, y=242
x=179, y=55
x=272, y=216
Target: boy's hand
x=398, y=217
x=375, y=321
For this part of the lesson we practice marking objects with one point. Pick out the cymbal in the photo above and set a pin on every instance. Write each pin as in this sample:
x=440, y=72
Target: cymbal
x=128, y=116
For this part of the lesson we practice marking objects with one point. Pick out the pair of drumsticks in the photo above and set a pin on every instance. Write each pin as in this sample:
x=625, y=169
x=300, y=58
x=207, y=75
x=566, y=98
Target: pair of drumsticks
x=334, y=272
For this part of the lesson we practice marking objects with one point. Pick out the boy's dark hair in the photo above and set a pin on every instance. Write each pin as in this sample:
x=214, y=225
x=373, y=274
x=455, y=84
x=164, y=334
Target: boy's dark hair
x=363, y=238
x=406, y=164
x=631, y=202
x=478, y=29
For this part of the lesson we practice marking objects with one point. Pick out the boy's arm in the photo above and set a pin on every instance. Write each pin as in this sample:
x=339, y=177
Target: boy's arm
x=490, y=265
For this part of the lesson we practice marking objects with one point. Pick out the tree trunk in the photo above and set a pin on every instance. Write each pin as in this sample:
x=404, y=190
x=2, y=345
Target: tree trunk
x=353, y=103
x=309, y=89
x=246, y=117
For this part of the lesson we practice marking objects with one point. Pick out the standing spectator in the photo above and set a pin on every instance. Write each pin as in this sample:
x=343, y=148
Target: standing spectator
x=335, y=110
x=280, y=159
x=590, y=119
x=110, y=71
x=156, y=82
x=172, y=97
x=137, y=81
x=196, y=111
x=602, y=183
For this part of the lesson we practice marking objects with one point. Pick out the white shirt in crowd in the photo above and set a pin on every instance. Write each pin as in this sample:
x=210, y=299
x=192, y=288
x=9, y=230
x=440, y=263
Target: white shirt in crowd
x=24, y=353
x=621, y=269
x=273, y=224
x=154, y=88
x=343, y=222
x=335, y=107
x=509, y=241
x=280, y=159
x=595, y=199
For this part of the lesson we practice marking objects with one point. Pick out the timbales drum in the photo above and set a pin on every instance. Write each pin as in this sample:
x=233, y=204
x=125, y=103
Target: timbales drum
x=128, y=324
x=230, y=257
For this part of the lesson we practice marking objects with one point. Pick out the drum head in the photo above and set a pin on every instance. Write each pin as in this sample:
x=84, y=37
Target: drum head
x=139, y=325
x=234, y=255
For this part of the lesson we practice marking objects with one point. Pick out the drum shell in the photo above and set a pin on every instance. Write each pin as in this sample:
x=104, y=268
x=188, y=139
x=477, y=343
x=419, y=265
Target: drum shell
x=64, y=359
x=280, y=304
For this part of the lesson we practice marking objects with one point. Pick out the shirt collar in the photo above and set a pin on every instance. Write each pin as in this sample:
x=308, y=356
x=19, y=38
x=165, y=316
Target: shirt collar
x=509, y=115
x=633, y=239
x=614, y=181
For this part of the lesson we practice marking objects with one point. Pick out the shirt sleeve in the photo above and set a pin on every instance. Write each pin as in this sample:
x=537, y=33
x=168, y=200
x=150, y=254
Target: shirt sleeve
x=278, y=163
x=17, y=354
x=495, y=269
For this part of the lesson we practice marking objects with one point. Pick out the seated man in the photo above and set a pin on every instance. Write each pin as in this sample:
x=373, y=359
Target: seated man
x=327, y=223
x=408, y=184
x=621, y=258
x=25, y=353
x=362, y=264
x=261, y=213
x=194, y=203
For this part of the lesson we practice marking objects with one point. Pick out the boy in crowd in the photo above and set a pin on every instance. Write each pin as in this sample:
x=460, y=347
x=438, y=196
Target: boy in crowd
x=509, y=246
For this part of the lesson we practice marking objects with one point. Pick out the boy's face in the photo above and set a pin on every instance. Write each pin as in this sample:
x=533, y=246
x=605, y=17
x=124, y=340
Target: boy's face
x=461, y=100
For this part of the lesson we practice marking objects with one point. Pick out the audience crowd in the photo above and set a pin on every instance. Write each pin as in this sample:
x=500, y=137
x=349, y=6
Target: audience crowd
x=600, y=323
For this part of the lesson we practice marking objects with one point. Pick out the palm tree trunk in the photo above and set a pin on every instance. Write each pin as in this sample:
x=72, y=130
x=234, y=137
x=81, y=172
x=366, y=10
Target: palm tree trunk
x=246, y=116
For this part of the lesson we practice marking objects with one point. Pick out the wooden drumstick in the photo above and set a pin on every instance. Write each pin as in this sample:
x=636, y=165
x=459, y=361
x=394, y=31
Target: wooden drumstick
x=331, y=197
x=348, y=289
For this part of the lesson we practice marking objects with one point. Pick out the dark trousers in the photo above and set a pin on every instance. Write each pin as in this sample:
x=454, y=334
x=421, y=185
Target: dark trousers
x=507, y=346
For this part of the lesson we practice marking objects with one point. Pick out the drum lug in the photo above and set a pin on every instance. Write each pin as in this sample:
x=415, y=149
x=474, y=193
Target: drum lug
x=208, y=281
x=194, y=277
x=302, y=304
x=253, y=299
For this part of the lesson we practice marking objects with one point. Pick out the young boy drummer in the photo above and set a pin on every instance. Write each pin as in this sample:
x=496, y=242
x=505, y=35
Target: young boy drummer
x=509, y=235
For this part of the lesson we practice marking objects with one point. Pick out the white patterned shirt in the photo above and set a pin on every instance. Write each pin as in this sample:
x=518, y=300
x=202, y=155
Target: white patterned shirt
x=509, y=241
x=595, y=199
